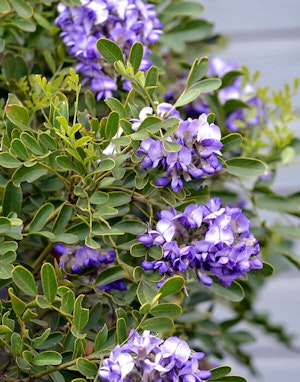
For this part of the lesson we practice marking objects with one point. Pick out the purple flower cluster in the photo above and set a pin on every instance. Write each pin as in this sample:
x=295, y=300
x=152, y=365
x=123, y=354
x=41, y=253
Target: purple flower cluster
x=235, y=91
x=197, y=158
x=123, y=21
x=148, y=358
x=79, y=259
x=209, y=239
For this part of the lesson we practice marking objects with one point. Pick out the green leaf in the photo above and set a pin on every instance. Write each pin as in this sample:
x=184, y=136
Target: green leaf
x=289, y=204
x=101, y=339
x=110, y=51
x=17, y=304
x=121, y=330
x=197, y=71
x=266, y=271
x=87, y=368
x=231, y=141
x=16, y=344
x=28, y=174
x=8, y=246
x=62, y=218
x=245, y=167
x=219, y=372
x=67, y=301
x=52, y=340
x=171, y=147
x=186, y=8
x=80, y=314
x=24, y=280
x=4, y=6
x=14, y=68
x=22, y=8
x=233, y=293
x=146, y=292
x=150, y=124
x=47, y=358
x=18, y=148
x=115, y=105
x=99, y=197
x=158, y=324
x=26, y=25
x=232, y=378
x=117, y=198
x=49, y=281
x=166, y=310
x=9, y=161
x=31, y=143
x=36, y=341
x=187, y=97
x=171, y=286
x=110, y=275
x=105, y=165
x=41, y=217
x=104, y=231
x=206, y=86
x=66, y=163
x=18, y=115
x=112, y=125
x=5, y=329
x=135, y=227
x=12, y=199
x=136, y=55
x=49, y=142
x=138, y=250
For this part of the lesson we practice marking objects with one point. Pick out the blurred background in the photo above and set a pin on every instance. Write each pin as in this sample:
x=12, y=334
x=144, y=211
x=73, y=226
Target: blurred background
x=264, y=35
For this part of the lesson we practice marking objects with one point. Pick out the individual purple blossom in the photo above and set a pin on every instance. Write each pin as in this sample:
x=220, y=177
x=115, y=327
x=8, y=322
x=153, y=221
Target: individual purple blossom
x=210, y=239
x=123, y=21
x=148, y=358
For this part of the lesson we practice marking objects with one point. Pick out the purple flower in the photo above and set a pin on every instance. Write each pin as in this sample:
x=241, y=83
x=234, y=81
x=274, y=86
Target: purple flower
x=148, y=358
x=123, y=21
x=209, y=239
x=197, y=157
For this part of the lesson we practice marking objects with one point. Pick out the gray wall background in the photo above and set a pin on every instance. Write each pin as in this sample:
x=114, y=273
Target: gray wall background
x=265, y=36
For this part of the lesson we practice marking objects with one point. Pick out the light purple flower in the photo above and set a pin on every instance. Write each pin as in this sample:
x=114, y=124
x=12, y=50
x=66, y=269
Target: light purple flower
x=123, y=21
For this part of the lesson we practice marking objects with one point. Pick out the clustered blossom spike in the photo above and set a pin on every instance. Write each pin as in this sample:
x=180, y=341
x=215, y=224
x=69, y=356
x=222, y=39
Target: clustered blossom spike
x=209, y=239
x=123, y=21
x=148, y=358
x=79, y=259
x=235, y=91
x=197, y=158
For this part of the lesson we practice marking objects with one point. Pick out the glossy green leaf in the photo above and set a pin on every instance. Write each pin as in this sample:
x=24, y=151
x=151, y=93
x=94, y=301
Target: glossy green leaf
x=245, y=167
x=138, y=250
x=12, y=199
x=87, y=368
x=8, y=246
x=24, y=280
x=41, y=217
x=171, y=286
x=49, y=281
x=233, y=293
x=36, y=341
x=158, y=324
x=5, y=329
x=166, y=310
x=9, y=161
x=80, y=314
x=136, y=55
x=99, y=197
x=206, y=86
x=28, y=174
x=47, y=358
x=18, y=115
x=110, y=51
x=110, y=275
